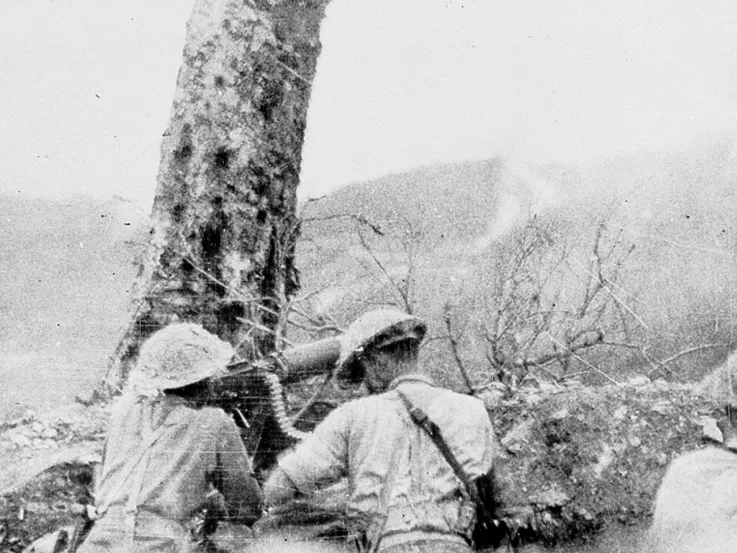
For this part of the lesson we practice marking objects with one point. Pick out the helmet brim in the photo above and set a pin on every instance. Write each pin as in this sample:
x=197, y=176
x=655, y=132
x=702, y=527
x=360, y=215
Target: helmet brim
x=375, y=330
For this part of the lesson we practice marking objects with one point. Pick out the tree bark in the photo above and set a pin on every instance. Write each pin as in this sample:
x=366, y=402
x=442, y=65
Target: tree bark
x=221, y=250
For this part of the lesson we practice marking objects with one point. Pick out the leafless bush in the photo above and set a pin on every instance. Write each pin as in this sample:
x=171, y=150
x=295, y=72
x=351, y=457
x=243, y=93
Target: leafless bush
x=540, y=307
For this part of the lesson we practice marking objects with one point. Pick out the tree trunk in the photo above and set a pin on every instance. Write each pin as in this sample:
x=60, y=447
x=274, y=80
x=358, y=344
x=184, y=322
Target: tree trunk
x=221, y=250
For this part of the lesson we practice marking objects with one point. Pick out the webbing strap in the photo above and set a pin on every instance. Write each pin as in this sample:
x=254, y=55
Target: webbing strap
x=125, y=476
x=433, y=430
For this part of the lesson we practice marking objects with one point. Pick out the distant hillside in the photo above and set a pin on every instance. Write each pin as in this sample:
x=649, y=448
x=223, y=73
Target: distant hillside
x=458, y=199
x=66, y=267
x=677, y=287
x=65, y=272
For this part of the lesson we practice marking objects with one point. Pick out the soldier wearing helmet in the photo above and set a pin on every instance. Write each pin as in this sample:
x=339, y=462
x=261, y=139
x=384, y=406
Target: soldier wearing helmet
x=168, y=454
x=696, y=504
x=400, y=485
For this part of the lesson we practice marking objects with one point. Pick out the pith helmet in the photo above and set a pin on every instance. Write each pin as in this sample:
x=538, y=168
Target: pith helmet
x=182, y=354
x=375, y=329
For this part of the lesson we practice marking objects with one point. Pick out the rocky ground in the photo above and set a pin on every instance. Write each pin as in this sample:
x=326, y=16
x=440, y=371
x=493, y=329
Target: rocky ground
x=46, y=466
x=575, y=460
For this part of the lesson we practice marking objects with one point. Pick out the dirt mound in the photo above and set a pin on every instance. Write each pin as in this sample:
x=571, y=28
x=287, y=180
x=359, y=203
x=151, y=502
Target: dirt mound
x=47, y=463
x=574, y=460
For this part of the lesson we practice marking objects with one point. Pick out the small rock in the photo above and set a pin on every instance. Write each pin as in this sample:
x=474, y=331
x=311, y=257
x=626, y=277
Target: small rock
x=604, y=461
x=63, y=419
x=639, y=381
x=635, y=441
x=20, y=440
x=662, y=459
x=50, y=433
x=562, y=414
x=518, y=436
x=13, y=423
x=87, y=397
x=620, y=413
x=514, y=448
x=550, y=387
x=662, y=384
x=663, y=407
x=553, y=497
x=711, y=430
x=77, y=509
x=37, y=427
x=492, y=397
x=588, y=517
x=620, y=448
x=530, y=383
x=533, y=399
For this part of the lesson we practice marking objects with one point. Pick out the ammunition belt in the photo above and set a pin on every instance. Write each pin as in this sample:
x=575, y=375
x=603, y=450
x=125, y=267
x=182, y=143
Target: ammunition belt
x=276, y=397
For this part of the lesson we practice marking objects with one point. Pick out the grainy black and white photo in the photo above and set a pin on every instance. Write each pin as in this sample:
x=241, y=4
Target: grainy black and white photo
x=378, y=276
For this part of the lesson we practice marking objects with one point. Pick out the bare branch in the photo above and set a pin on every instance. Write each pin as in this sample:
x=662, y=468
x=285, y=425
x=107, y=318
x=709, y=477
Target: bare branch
x=694, y=350
x=252, y=301
x=360, y=219
x=293, y=72
x=403, y=291
x=447, y=316
x=589, y=365
x=315, y=323
x=316, y=328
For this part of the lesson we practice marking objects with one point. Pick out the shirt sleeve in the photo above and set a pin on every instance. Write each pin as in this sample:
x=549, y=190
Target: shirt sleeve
x=242, y=494
x=479, y=440
x=490, y=440
x=323, y=456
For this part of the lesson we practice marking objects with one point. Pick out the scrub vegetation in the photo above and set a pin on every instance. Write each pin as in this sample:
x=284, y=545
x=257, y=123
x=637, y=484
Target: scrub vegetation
x=585, y=433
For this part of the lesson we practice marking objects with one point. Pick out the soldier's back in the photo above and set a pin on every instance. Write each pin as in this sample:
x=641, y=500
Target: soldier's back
x=696, y=505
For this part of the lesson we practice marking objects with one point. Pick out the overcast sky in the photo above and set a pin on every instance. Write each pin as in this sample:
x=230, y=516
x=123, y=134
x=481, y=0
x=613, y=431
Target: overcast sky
x=86, y=86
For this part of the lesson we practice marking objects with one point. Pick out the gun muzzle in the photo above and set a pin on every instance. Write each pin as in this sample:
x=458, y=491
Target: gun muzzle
x=304, y=361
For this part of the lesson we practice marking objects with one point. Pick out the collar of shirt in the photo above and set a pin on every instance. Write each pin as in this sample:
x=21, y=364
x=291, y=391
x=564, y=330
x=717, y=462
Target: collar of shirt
x=412, y=377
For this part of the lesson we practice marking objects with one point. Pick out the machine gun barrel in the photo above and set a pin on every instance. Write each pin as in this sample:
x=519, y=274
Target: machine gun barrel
x=295, y=363
x=252, y=392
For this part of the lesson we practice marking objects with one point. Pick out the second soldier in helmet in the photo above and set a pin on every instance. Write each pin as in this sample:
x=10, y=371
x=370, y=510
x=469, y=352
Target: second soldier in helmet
x=399, y=483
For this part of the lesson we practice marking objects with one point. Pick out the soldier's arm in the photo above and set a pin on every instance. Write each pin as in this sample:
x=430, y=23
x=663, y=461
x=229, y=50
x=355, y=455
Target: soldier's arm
x=320, y=458
x=278, y=488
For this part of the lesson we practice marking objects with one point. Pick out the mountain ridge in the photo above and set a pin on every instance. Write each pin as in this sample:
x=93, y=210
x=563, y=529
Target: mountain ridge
x=67, y=266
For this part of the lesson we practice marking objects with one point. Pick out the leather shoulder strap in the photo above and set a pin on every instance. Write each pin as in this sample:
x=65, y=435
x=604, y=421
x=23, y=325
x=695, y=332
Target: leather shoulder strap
x=423, y=421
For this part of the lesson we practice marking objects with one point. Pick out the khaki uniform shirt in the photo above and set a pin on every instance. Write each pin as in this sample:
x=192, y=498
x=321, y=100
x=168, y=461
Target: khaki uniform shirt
x=696, y=505
x=147, y=510
x=397, y=477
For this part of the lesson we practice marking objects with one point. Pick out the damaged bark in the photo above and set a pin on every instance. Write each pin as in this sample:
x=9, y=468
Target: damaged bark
x=221, y=244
